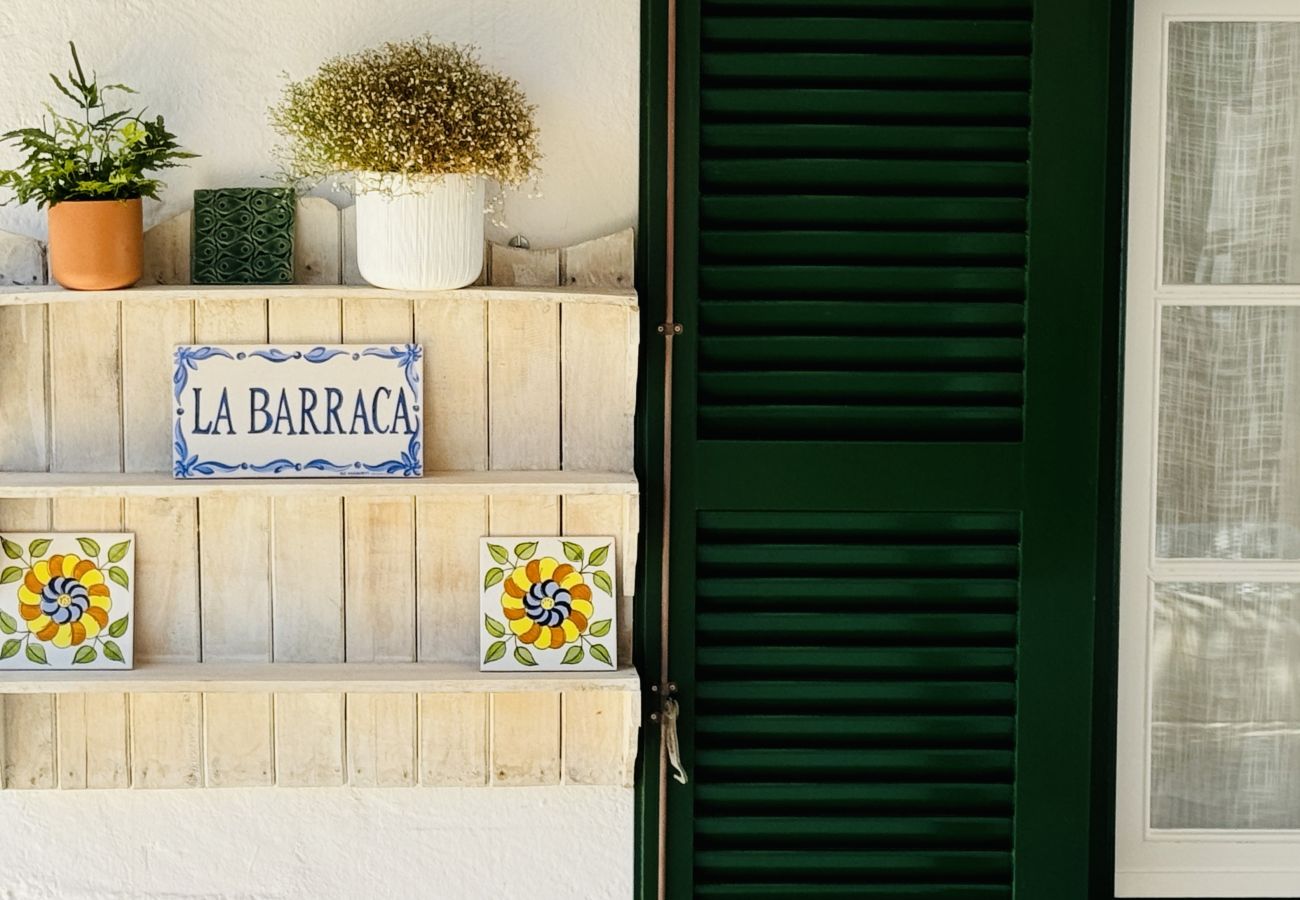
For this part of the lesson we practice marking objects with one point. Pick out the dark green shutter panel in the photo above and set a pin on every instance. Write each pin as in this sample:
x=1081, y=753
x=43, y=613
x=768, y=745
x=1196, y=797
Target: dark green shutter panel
x=863, y=181
x=885, y=446
x=854, y=713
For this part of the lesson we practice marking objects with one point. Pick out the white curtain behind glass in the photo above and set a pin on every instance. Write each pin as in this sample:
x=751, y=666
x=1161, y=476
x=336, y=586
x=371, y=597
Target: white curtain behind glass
x=1225, y=739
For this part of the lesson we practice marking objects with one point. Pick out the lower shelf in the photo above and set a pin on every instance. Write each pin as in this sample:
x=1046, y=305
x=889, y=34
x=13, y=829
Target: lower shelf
x=316, y=725
x=284, y=678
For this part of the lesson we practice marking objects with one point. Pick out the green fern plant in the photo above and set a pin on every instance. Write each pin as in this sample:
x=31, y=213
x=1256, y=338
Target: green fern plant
x=94, y=155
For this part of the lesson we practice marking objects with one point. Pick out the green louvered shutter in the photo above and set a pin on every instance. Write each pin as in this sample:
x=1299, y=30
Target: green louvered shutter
x=890, y=276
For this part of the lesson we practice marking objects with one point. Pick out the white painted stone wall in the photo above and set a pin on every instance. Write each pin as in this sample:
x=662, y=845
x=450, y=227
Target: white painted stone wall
x=212, y=67
x=324, y=844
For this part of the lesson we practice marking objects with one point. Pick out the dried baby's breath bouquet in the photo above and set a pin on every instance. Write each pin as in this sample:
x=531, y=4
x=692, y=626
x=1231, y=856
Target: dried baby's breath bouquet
x=413, y=108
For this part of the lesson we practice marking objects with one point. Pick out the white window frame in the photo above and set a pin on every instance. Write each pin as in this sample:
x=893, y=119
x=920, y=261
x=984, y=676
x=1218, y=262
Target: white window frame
x=1186, y=862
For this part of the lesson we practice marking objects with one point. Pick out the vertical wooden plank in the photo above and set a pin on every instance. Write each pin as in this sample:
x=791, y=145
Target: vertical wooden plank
x=27, y=730
x=454, y=336
x=525, y=738
x=309, y=740
x=92, y=729
x=307, y=537
x=517, y=267
x=453, y=740
x=381, y=740
x=165, y=740
x=166, y=578
x=599, y=368
x=448, y=577
x=617, y=516
x=380, y=533
x=348, y=241
x=234, y=557
x=525, y=742
x=85, y=418
x=235, y=587
x=379, y=594
x=85, y=387
x=524, y=364
x=150, y=332
x=93, y=737
x=235, y=532
x=606, y=262
x=27, y=756
x=167, y=251
x=22, y=260
x=167, y=553
x=29, y=749
x=381, y=624
x=317, y=245
x=307, y=541
x=524, y=384
x=238, y=745
x=24, y=437
x=597, y=748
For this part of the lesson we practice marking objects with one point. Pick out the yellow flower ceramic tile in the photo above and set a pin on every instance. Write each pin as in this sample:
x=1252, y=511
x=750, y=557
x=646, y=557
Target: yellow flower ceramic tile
x=66, y=600
x=548, y=603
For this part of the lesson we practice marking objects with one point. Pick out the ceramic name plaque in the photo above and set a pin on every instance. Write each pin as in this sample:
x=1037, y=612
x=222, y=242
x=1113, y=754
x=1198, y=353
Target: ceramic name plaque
x=298, y=411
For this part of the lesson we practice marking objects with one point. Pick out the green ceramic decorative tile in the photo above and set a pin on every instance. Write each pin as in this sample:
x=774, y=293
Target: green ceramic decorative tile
x=242, y=236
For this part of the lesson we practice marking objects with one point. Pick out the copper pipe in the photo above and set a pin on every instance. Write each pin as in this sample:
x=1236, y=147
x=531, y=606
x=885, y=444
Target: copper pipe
x=670, y=213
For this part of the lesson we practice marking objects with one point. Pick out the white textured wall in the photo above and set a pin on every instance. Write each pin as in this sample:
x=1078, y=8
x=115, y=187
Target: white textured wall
x=212, y=67
x=335, y=844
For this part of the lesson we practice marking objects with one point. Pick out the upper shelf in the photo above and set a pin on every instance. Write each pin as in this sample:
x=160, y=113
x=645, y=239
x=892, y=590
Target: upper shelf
x=41, y=294
x=46, y=485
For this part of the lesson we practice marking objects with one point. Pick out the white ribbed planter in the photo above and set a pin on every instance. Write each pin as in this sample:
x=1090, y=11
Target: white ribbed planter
x=420, y=234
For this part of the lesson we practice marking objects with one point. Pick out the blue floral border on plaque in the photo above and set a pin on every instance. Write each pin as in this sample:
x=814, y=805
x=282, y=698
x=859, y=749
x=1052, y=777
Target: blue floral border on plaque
x=409, y=464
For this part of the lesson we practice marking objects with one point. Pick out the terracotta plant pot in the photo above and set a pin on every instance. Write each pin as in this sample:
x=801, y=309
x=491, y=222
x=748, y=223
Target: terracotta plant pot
x=96, y=245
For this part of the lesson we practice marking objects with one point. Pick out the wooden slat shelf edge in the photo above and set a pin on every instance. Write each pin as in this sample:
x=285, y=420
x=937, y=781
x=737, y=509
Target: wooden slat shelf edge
x=48, y=485
x=39, y=294
x=350, y=678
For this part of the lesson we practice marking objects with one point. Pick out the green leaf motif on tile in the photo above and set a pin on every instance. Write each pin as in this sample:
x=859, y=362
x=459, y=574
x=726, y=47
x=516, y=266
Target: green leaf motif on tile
x=494, y=628
x=118, y=574
x=492, y=576
x=526, y=549
x=38, y=547
x=499, y=553
x=7, y=623
x=36, y=653
x=599, y=629
x=89, y=546
x=495, y=652
x=603, y=581
x=10, y=648
x=524, y=657
x=599, y=651
x=10, y=575
x=598, y=556
x=113, y=652
x=12, y=550
x=118, y=628
x=117, y=552
x=572, y=551
x=574, y=656
x=85, y=655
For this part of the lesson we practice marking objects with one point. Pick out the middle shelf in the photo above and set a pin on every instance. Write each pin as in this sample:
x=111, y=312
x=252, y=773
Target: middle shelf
x=287, y=678
x=55, y=485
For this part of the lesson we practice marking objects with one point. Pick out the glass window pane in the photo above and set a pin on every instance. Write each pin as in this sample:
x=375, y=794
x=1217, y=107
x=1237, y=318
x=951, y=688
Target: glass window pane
x=1232, y=149
x=1225, y=730
x=1228, y=478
